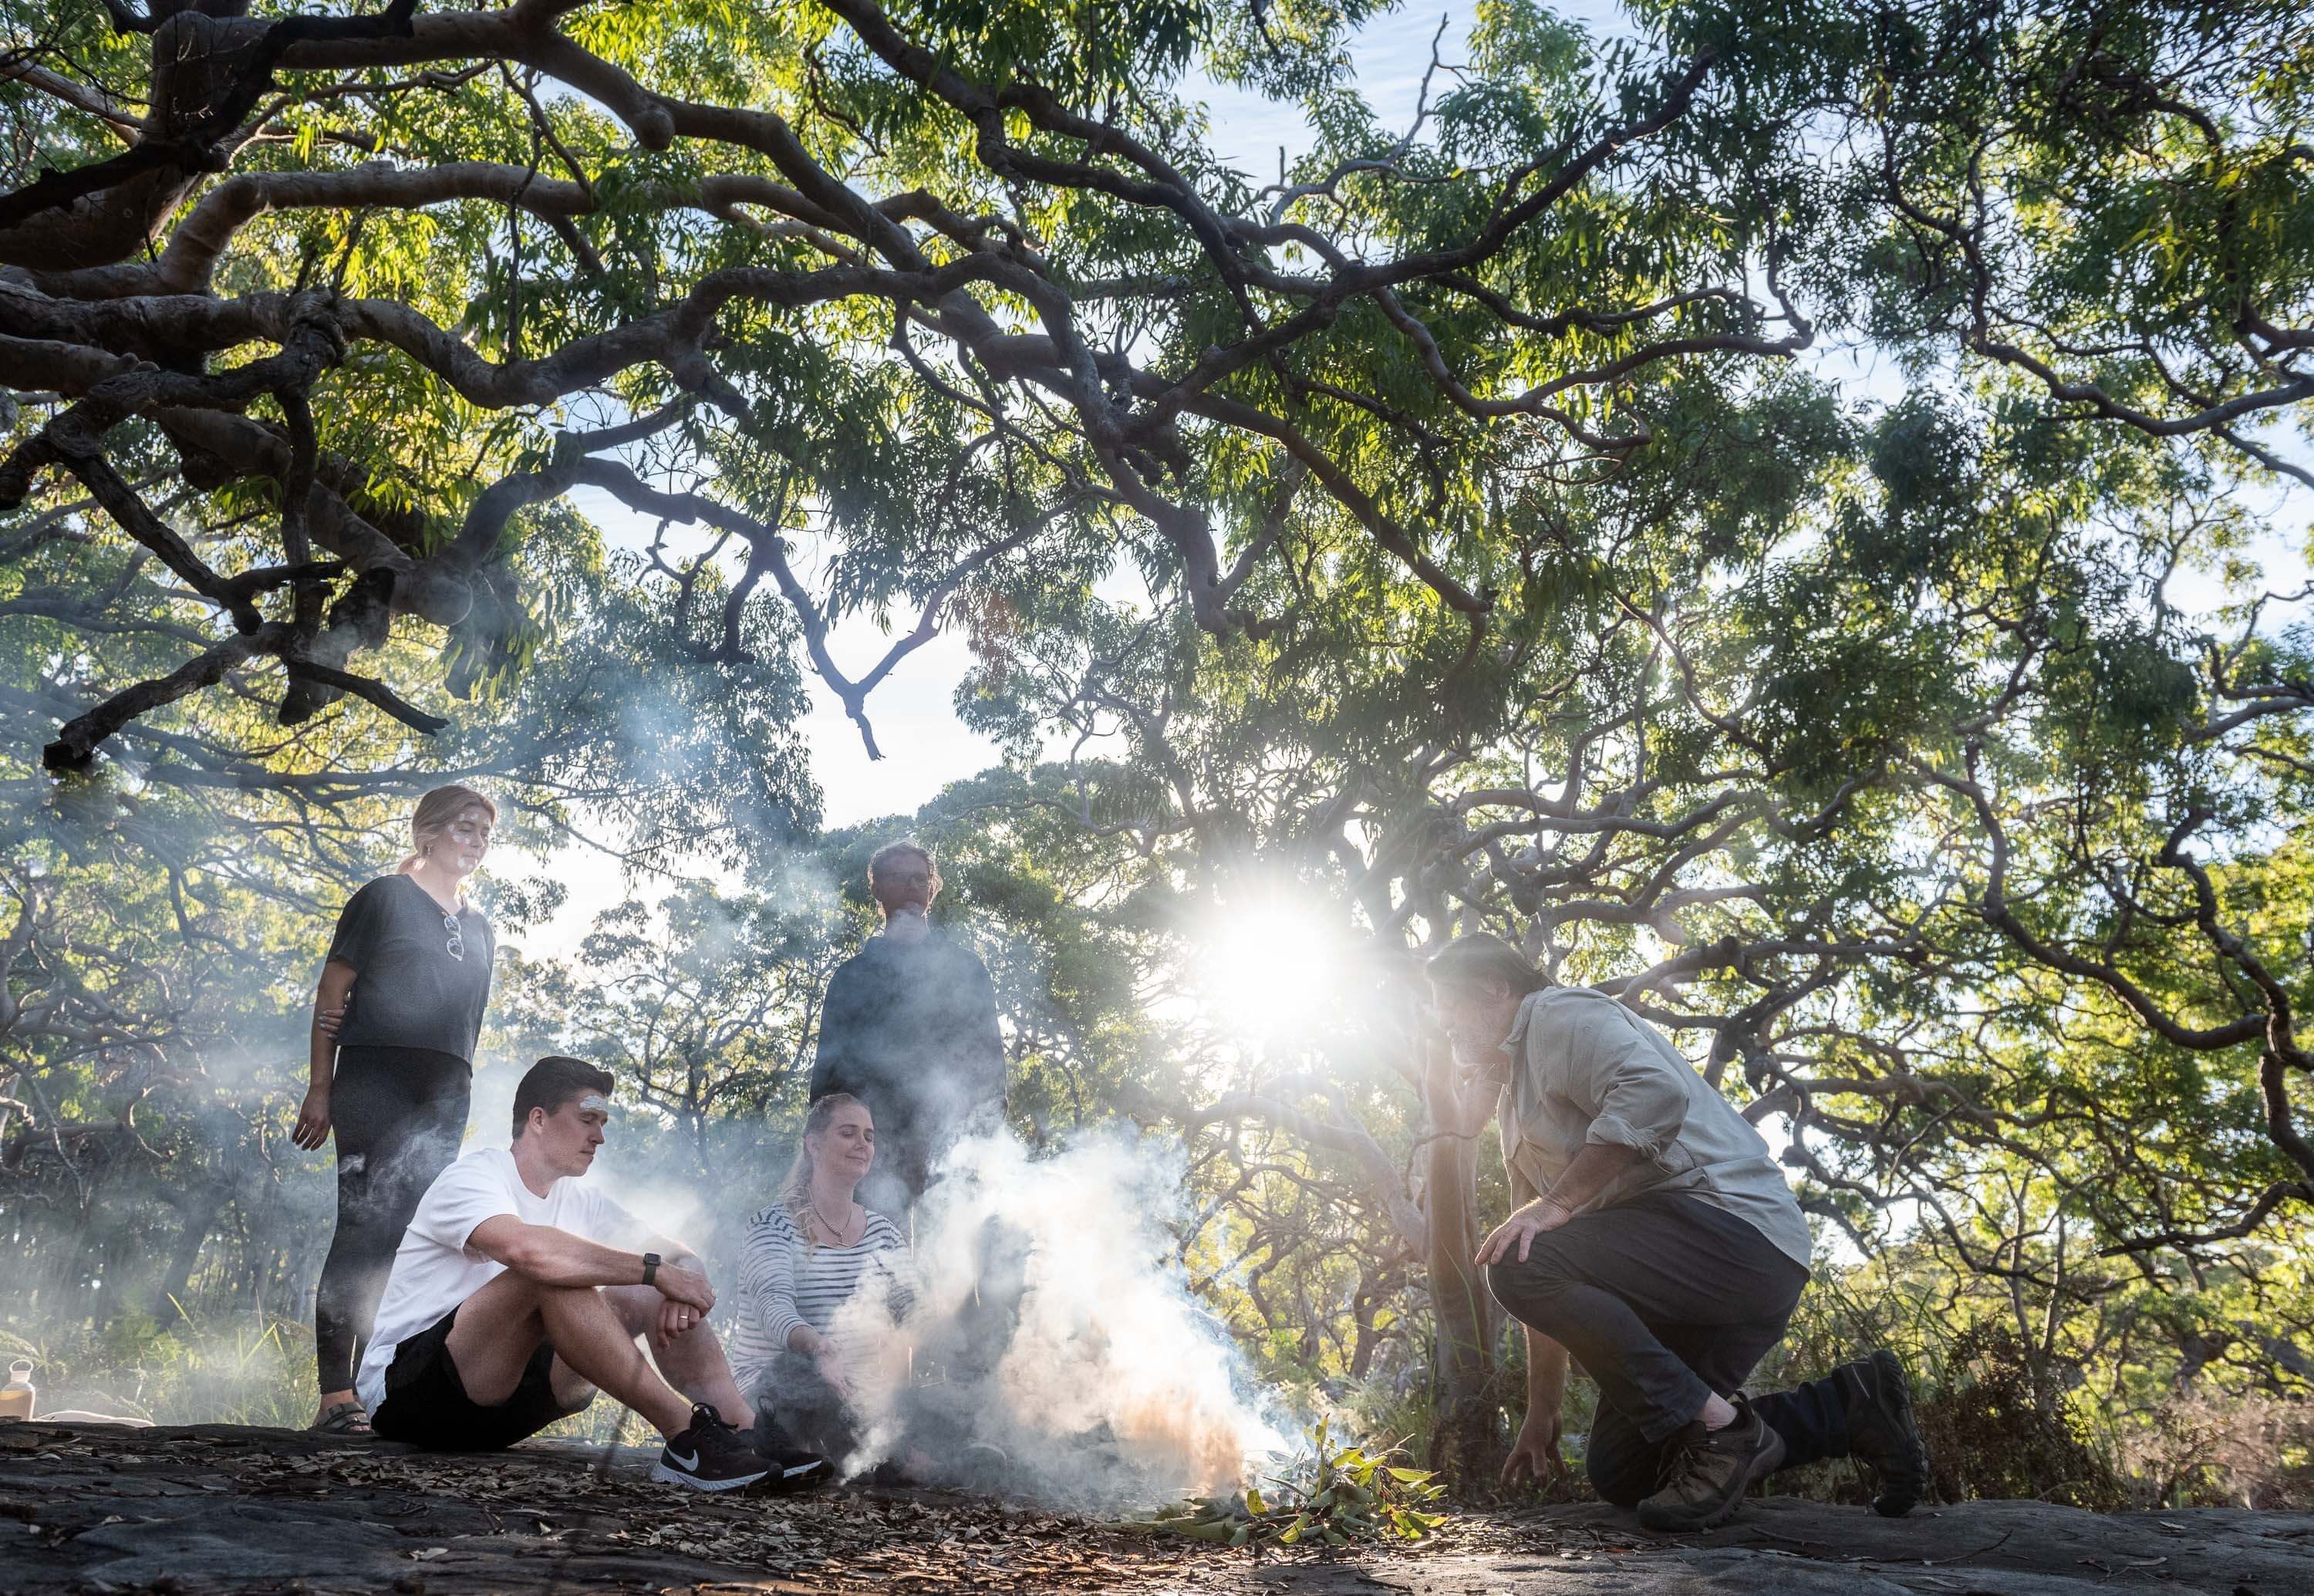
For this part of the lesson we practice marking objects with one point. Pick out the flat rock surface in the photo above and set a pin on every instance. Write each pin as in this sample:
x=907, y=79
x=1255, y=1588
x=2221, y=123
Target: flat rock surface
x=217, y=1508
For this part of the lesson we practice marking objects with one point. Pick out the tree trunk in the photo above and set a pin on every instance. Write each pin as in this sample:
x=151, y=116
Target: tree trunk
x=200, y=1219
x=1466, y=1430
x=1364, y=1336
x=66, y=1302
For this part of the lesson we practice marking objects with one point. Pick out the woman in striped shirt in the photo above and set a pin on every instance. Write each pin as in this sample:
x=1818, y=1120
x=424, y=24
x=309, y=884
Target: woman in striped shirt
x=807, y=1257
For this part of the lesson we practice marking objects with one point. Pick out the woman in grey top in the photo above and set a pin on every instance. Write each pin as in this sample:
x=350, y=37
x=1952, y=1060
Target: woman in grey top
x=395, y=1019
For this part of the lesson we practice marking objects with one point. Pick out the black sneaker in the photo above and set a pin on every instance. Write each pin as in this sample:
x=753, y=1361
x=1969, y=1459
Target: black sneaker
x=1705, y=1472
x=709, y=1456
x=1881, y=1433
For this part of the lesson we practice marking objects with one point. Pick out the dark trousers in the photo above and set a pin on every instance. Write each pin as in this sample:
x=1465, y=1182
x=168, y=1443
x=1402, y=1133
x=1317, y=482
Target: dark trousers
x=1666, y=1301
x=398, y=1115
x=797, y=1407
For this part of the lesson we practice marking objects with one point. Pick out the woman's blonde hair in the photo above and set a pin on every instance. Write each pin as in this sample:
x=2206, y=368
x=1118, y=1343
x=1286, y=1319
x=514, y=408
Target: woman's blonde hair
x=435, y=812
x=795, y=1192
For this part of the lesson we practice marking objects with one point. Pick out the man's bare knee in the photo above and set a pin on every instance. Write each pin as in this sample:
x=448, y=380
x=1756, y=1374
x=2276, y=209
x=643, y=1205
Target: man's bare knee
x=506, y=1295
x=562, y=1301
x=505, y=1310
x=637, y=1306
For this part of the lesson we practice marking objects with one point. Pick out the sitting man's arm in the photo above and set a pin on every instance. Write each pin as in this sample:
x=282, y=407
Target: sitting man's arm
x=674, y=1317
x=557, y=1258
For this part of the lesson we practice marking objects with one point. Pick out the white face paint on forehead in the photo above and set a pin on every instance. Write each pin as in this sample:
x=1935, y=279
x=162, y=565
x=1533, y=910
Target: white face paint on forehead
x=595, y=1102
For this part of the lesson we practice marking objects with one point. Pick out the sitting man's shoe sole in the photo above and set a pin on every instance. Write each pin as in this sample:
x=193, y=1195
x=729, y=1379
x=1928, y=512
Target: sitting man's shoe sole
x=1740, y=1456
x=1882, y=1434
x=667, y=1476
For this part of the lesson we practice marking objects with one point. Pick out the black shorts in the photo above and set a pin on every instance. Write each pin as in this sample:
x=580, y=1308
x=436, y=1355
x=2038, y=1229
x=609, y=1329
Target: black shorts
x=425, y=1403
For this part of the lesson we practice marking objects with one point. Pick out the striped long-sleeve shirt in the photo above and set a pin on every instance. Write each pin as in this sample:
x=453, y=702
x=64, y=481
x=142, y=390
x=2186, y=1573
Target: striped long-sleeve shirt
x=784, y=1282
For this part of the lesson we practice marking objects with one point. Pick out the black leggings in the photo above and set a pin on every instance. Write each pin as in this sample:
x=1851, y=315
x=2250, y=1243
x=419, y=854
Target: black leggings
x=399, y=1114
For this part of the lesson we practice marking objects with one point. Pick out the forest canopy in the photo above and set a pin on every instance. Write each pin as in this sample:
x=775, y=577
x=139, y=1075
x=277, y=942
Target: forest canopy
x=1475, y=522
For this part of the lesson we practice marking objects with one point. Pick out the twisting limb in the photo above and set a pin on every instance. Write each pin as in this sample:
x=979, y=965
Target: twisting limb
x=77, y=743
x=768, y=553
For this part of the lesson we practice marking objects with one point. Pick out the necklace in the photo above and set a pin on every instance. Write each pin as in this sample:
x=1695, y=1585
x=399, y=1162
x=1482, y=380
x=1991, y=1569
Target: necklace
x=842, y=1233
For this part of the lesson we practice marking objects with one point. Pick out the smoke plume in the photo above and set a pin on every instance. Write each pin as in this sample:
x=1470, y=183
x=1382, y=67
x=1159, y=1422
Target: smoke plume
x=1054, y=1325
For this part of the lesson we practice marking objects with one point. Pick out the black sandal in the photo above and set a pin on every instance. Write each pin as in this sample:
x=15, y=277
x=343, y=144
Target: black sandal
x=342, y=1418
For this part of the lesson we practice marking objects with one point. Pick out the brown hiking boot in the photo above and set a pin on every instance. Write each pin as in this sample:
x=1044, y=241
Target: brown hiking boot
x=1881, y=1433
x=1707, y=1472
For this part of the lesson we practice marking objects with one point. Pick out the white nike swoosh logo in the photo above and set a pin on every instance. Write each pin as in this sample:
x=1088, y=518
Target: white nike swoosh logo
x=690, y=1462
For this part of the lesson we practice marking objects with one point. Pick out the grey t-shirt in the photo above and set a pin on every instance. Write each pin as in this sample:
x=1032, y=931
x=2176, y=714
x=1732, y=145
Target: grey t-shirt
x=410, y=990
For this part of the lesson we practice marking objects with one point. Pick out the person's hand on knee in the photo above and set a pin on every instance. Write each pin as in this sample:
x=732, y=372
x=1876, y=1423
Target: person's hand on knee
x=1520, y=1230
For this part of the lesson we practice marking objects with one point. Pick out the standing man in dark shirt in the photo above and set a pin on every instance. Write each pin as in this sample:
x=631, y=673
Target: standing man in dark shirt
x=909, y=1029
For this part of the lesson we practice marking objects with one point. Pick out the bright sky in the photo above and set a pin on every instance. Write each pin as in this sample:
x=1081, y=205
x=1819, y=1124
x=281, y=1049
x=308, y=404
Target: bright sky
x=925, y=747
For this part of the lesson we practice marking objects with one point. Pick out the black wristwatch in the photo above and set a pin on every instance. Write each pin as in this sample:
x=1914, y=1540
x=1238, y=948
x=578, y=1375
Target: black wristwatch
x=650, y=1268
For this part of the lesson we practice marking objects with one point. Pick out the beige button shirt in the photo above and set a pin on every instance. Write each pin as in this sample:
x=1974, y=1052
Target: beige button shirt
x=1586, y=1069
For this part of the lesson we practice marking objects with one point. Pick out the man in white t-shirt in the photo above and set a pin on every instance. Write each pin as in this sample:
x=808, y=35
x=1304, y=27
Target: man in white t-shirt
x=512, y=1301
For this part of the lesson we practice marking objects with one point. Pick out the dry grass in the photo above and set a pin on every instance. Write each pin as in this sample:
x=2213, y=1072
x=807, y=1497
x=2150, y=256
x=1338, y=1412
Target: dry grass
x=2202, y=1449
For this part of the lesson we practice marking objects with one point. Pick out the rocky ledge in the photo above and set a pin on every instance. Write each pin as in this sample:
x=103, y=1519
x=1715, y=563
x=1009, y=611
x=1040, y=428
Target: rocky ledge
x=108, y=1511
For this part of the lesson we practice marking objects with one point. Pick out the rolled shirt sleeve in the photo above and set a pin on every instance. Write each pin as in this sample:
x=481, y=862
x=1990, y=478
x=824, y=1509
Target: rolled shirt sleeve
x=1591, y=1073
x=1623, y=1081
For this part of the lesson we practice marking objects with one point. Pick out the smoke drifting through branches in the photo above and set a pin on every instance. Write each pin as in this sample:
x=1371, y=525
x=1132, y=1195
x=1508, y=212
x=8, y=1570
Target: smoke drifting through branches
x=1115, y=1389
